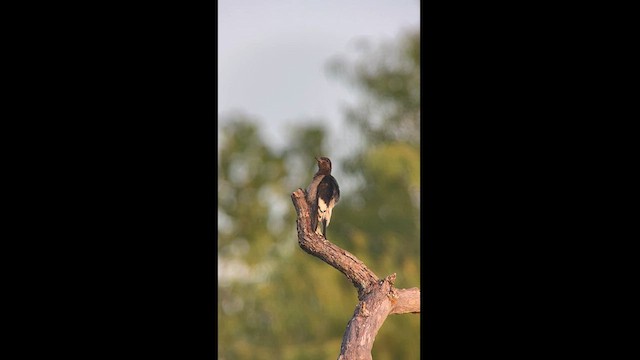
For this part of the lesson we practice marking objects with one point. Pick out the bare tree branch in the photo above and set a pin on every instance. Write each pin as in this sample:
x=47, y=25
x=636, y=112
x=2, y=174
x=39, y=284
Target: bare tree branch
x=408, y=301
x=316, y=245
x=378, y=298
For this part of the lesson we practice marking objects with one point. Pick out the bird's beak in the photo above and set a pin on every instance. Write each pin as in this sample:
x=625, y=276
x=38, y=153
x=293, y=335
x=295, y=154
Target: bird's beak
x=317, y=159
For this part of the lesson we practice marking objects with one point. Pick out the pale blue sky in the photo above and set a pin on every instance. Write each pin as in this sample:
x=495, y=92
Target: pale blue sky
x=272, y=56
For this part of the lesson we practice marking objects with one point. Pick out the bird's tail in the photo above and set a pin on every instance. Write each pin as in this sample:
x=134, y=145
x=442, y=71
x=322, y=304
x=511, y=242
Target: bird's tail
x=324, y=228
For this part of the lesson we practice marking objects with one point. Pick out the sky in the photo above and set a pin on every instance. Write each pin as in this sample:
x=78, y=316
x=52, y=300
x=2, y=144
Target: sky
x=272, y=57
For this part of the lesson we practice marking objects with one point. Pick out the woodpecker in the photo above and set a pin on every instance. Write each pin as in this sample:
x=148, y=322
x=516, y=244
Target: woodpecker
x=322, y=195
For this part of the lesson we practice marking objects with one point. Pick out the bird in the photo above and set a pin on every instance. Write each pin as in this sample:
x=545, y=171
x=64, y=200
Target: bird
x=323, y=193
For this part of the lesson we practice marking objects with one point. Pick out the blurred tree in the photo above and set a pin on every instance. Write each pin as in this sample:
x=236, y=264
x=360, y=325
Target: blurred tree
x=380, y=220
x=277, y=302
x=273, y=302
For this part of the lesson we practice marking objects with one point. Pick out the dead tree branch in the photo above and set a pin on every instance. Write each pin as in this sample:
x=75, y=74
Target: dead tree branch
x=377, y=297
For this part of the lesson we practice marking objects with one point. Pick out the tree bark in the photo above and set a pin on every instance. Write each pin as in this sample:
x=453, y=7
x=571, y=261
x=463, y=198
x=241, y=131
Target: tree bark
x=378, y=298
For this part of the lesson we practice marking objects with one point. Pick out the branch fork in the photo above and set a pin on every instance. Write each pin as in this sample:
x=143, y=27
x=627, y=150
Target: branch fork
x=378, y=298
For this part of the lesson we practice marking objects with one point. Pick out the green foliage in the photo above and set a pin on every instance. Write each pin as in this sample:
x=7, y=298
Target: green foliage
x=389, y=79
x=278, y=302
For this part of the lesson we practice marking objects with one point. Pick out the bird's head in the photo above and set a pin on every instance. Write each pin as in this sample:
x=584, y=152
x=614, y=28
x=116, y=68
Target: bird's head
x=324, y=164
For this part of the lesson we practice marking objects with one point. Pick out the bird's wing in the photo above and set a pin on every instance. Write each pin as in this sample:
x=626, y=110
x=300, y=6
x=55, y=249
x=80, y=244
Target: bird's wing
x=312, y=199
x=328, y=196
